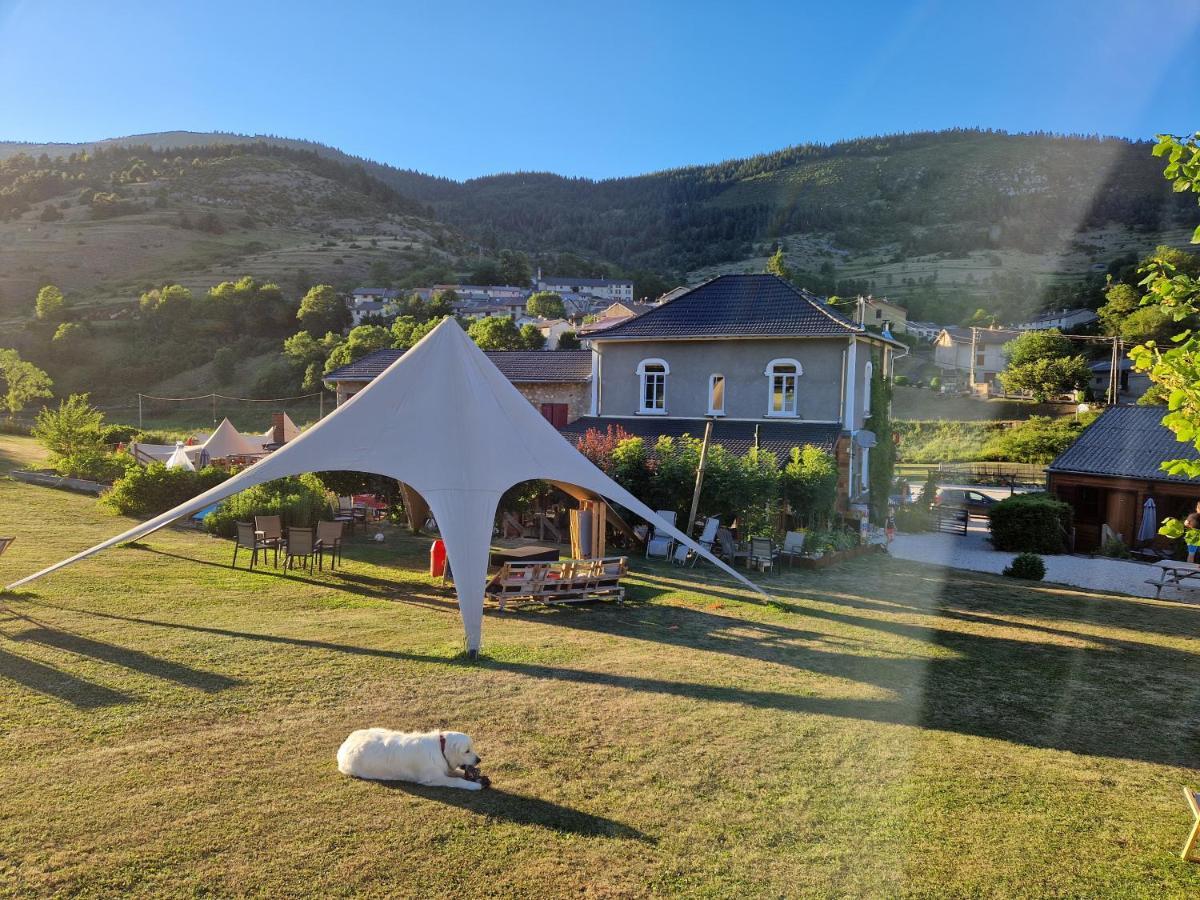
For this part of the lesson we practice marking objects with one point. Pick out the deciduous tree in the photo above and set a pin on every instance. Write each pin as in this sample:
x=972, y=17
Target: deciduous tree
x=50, y=305
x=22, y=382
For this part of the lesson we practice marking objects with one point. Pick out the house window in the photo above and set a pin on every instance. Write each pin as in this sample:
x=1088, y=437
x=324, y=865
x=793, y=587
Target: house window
x=653, y=398
x=781, y=381
x=716, y=395
x=868, y=375
x=979, y=359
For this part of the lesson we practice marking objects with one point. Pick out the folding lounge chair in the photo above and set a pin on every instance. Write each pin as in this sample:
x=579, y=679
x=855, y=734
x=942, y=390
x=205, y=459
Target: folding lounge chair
x=708, y=536
x=660, y=545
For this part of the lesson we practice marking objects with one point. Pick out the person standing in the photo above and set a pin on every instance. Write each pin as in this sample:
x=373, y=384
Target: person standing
x=1191, y=523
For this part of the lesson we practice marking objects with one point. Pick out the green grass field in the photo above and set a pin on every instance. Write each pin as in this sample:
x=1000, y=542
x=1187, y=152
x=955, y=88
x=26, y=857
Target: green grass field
x=886, y=729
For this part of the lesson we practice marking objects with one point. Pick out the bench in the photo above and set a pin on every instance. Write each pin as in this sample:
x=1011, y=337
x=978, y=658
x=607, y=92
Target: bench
x=566, y=581
x=1193, y=802
x=1174, y=574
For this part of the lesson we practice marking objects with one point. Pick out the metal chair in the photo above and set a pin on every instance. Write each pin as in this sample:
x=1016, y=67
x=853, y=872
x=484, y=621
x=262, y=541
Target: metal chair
x=329, y=540
x=302, y=545
x=762, y=554
x=248, y=539
x=270, y=529
x=793, y=546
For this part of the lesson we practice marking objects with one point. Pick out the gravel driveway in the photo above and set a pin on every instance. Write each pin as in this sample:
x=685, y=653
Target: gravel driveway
x=972, y=551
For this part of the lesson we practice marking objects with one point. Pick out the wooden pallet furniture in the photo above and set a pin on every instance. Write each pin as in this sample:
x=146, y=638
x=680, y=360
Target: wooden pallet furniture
x=566, y=581
x=1193, y=802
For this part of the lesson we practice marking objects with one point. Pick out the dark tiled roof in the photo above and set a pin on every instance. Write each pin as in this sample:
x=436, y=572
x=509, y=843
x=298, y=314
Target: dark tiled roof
x=518, y=366
x=1126, y=442
x=737, y=305
x=736, y=437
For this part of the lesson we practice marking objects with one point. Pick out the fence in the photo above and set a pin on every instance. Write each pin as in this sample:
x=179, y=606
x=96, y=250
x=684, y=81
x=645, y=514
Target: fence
x=1008, y=474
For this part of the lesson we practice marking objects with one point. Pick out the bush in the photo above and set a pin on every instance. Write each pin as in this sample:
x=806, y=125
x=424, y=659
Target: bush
x=155, y=489
x=1033, y=523
x=95, y=465
x=118, y=434
x=1115, y=548
x=300, y=501
x=1028, y=566
x=900, y=380
x=935, y=383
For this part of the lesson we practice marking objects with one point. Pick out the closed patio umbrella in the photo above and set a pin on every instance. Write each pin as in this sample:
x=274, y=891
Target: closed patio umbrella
x=1149, y=527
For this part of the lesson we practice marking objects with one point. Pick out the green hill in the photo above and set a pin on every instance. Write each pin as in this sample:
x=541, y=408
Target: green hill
x=106, y=222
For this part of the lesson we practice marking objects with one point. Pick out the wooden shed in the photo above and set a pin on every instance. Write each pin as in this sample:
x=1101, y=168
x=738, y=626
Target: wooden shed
x=1114, y=467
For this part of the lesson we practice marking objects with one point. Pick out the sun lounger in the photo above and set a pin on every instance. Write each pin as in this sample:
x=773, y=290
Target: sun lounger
x=566, y=581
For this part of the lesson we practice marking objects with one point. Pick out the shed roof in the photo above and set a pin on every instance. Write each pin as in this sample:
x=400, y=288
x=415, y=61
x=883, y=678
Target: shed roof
x=1126, y=442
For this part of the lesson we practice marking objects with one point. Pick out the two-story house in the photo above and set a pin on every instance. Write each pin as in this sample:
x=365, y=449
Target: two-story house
x=772, y=365
x=972, y=358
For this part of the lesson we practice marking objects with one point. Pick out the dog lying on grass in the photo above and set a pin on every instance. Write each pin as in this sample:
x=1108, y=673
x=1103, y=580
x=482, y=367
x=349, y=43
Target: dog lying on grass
x=433, y=758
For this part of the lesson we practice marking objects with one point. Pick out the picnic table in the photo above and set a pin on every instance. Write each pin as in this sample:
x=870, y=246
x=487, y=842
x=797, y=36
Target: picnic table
x=1173, y=574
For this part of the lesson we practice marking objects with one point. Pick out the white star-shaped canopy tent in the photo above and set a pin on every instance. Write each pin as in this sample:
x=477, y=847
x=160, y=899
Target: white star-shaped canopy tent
x=445, y=421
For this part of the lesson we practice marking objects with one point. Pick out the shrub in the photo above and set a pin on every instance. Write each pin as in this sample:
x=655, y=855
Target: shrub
x=1115, y=548
x=900, y=380
x=300, y=501
x=155, y=488
x=1028, y=566
x=118, y=434
x=94, y=465
x=935, y=383
x=1033, y=523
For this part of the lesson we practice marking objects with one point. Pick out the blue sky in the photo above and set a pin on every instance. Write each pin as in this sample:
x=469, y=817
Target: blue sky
x=586, y=88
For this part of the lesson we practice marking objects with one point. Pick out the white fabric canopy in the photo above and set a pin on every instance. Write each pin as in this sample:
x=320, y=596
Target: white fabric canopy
x=443, y=420
x=227, y=441
x=179, y=459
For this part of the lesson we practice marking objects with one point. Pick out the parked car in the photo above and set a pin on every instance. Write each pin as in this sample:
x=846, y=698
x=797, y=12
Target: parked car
x=976, y=503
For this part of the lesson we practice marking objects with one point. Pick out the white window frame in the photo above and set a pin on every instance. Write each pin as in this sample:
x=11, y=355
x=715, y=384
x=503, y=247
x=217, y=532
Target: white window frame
x=712, y=380
x=771, y=374
x=868, y=374
x=643, y=379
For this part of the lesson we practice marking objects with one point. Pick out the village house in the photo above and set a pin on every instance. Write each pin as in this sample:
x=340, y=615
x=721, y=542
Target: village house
x=883, y=314
x=926, y=331
x=971, y=358
x=1062, y=319
x=771, y=365
x=369, y=301
x=610, y=289
x=1113, y=469
x=614, y=314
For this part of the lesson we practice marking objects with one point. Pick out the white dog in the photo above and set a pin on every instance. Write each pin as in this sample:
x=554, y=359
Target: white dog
x=433, y=758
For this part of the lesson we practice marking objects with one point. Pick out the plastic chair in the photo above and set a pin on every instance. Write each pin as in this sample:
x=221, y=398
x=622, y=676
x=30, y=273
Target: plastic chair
x=661, y=545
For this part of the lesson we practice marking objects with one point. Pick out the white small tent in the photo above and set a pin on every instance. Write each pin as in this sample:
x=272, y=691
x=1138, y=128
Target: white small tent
x=179, y=459
x=443, y=420
x=227, y=442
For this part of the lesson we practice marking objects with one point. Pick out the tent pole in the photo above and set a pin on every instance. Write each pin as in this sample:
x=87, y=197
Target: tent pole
x=691, y=522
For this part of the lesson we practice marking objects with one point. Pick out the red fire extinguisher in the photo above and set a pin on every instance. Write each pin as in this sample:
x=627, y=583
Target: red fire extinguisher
x=437, y=558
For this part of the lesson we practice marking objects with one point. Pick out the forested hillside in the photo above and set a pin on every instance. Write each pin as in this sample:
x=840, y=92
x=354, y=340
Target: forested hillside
x=111, y=222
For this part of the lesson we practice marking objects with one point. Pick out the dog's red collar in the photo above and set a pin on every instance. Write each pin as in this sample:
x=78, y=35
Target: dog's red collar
x=442, y=744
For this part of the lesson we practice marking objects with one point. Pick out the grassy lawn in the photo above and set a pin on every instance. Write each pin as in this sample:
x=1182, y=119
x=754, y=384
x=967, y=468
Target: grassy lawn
x=168, y=726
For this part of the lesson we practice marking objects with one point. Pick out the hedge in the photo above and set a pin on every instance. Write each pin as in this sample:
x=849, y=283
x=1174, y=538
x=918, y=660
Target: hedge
x=1030, y=523
x=155, y=489
x=299, y=501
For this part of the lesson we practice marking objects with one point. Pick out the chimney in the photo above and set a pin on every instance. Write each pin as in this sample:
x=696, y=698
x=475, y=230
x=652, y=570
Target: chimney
x=277, y=436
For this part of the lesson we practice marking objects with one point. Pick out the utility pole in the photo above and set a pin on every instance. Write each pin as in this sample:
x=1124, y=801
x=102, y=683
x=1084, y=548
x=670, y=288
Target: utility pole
x=1114, y=374
x=974, y=341
x=140, y=412
x=691, y=522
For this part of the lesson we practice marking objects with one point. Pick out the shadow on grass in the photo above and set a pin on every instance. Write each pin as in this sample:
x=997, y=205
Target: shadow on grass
x=498, y=804
x=369, y=586
x=1091, y=694
x=135, y=660
x=52, y=682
